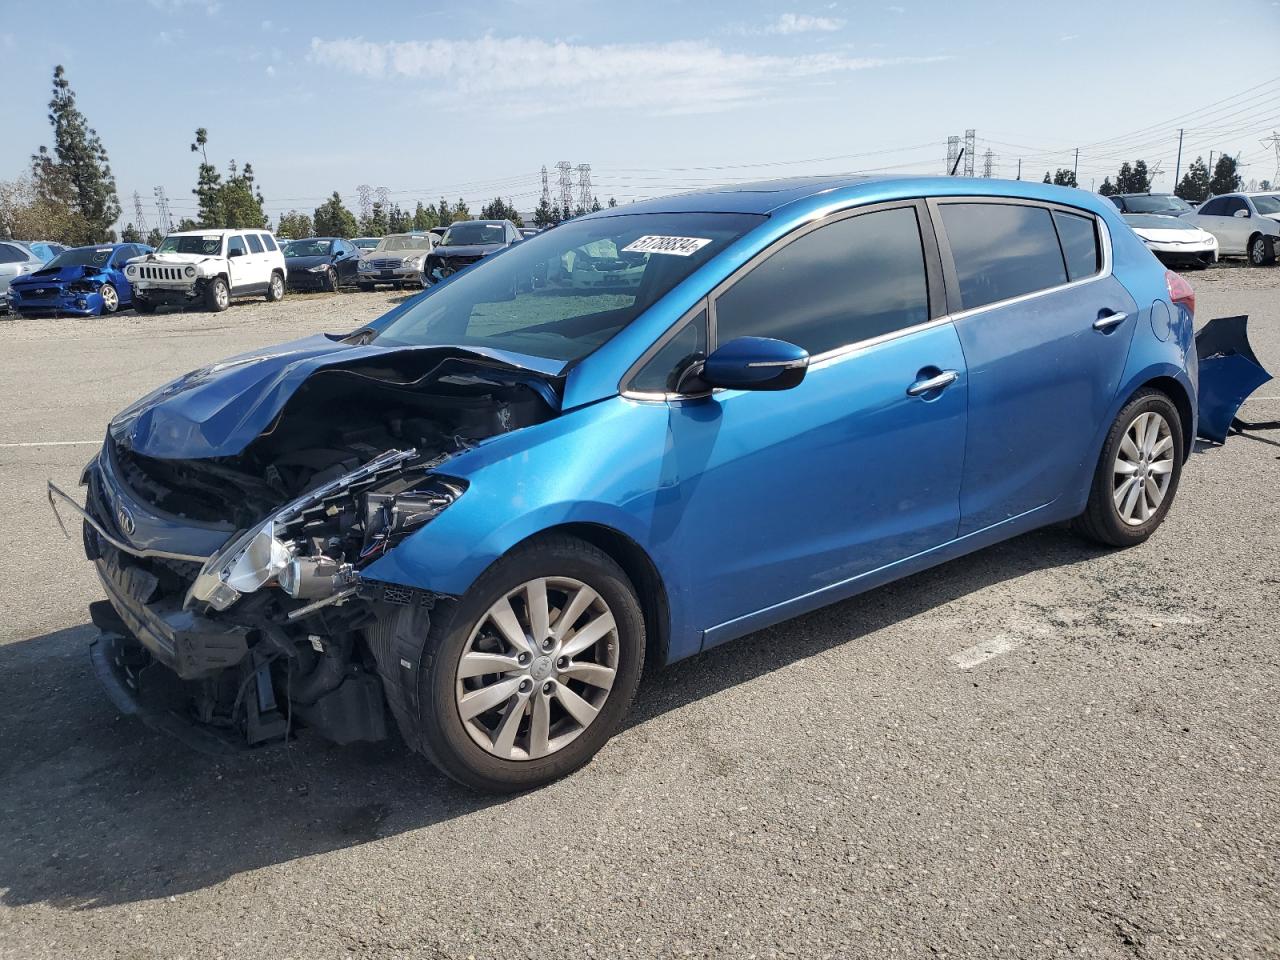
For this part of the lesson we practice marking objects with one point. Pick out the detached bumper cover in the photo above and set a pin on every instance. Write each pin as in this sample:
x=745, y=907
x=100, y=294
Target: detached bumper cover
x=1229, y=373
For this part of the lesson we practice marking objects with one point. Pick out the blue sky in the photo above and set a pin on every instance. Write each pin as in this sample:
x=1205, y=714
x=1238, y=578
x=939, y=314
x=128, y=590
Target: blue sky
x=471, y=99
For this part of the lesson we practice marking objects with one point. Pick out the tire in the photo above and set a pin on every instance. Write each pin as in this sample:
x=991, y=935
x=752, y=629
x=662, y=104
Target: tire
x=365, y=287
x=217, y=296
x=1262, y=251
x=110, y=299
x=470, y=751
x=1137, y=513
x=275, y=289
x=331, y=280
x=143, y=306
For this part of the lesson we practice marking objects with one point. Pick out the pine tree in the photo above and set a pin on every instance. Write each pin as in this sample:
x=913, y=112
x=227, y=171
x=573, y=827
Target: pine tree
x=155, y=237
x=544, y=215
x=1226, y=177
x=424, y=218
x=332, y=219
x=77, y=173
x=208, y=189
x=1065, y=177
x=1107, y=189
x=612, y=202
x=1194, y=186
x=130, y=234
x=376, y=224
x=295, y=226
x=461, y=211
x=595, y=204
x=444, y=213
x=1047, y=178
x=241, y=200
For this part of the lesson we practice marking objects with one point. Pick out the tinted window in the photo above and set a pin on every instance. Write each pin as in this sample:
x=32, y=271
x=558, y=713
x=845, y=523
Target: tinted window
x=1002, y=250
x=1079, y=244
x=268, y=241
x=1231, y=204
x=121, y=255
x=235, y=245
x=1214, y=208
x=659, y=375
x=848, y=281
x=10, y=254
x=255, y=244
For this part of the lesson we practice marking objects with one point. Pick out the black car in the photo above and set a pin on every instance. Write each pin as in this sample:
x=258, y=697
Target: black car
x=466, y=242
x=321, y=263
x=1161, y=204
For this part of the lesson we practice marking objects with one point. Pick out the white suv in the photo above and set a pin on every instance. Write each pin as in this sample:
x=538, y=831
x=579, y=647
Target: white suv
x=208, y=267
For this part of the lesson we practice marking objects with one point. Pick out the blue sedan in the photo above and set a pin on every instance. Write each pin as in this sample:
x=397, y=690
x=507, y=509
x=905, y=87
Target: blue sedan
x=483, y=513
x=82, y=281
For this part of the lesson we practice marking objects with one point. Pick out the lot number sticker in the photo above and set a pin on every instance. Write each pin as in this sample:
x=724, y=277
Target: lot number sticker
x=675, y=246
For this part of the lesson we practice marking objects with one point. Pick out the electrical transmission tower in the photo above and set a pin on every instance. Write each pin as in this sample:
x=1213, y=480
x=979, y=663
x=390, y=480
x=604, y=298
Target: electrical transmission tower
x=162, y=207
x=1274, y=141
x=546, y=188
x=953, y=153
x=565, y=169
x=139, y=220
x=969, y=138
x=988, y=164
x=365, y=194
x=384, y=197
x=584, y=186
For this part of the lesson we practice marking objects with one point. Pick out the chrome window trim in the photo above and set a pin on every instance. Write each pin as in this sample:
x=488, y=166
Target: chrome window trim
x=948, y=264
x=624, y=388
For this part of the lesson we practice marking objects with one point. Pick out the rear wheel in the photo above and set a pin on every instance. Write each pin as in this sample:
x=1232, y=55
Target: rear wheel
x=275, y=289
x=1261, y=251
x=1138, y=472
x=533, y=669
x=110, y=299
x=217, y=296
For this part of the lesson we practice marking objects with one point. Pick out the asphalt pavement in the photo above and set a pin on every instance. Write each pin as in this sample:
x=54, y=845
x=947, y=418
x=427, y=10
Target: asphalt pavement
x=1044, y=749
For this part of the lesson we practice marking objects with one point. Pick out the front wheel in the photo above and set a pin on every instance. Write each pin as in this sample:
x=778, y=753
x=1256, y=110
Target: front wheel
x=1261, y=251
x=110, y=299
x=275, y=289
x=217, y=295
x=528, y=675
x=331, y=280
x=1137, y=474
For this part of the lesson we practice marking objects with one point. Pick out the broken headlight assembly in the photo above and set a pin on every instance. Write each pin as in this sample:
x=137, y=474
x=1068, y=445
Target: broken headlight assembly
x=313, y=547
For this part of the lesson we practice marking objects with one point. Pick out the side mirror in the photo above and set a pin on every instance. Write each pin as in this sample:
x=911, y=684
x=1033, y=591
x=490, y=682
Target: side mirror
x=755, y=363
x=1242, y=214
x=235, y=253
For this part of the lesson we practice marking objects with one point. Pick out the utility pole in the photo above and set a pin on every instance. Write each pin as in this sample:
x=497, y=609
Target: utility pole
x=1075, y=167
x=1211, y=153
x=1019, y=168
x=1177, y=166
x=1274, y=141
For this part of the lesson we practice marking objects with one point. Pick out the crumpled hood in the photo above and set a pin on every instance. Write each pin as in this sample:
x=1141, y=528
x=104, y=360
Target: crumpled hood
x=469, y=250
x=68, y=274
x=220, y=409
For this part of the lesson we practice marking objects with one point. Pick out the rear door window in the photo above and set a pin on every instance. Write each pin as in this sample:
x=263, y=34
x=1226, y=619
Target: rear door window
x=268, y=241
x=848, y=281
x=255, y=245
x=9, y=254
x=1214, y=208
x=1079, y=236
x=1002, y=250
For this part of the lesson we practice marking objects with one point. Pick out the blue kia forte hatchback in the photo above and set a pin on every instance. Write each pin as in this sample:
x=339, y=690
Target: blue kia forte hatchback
x=477, y=518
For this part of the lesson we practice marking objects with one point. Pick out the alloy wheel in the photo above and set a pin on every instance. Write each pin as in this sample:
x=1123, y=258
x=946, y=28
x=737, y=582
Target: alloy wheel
x=1143, y=468
x=222, y=295
x=1258, y=252
x=537, y=668
x=110, y=299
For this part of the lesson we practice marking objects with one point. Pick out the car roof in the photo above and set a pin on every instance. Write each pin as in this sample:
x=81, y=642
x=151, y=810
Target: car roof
x=765, y=197
x=480, y=221
x=216, y=231
x=1149, y=193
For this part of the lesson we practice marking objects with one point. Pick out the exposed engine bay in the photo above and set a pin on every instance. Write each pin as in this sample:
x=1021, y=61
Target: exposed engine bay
x=278, y=627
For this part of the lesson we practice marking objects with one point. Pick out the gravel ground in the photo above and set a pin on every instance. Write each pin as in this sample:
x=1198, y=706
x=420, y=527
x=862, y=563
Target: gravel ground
x=1109, y=786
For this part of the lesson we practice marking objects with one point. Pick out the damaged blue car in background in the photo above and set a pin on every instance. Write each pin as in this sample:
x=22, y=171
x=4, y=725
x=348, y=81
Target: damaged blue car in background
x=82, y=281
x=474, y=520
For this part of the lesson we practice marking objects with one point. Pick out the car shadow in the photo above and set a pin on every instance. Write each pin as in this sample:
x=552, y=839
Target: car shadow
x=97, y=810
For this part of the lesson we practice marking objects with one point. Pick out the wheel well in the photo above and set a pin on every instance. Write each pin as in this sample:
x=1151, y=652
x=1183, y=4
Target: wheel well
x=1178, y=394
x=644, y=577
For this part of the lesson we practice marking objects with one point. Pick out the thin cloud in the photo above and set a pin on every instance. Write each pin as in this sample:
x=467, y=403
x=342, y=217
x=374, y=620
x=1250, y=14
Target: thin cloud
x=541, y=76
x=789, y=23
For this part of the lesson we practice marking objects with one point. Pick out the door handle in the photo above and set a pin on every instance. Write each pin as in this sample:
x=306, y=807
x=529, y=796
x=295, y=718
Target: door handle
x=1110, y=320
x=928, y=385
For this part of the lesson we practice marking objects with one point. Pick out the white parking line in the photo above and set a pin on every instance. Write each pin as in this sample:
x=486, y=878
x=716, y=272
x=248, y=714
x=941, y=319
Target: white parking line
x=970, y=657
x=55, y=443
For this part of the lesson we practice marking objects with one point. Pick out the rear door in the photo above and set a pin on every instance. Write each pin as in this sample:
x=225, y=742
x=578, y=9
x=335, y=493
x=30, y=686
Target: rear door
x=1045, y=329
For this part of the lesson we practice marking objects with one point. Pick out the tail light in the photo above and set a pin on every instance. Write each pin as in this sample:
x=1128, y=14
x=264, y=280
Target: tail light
x=1180, y=291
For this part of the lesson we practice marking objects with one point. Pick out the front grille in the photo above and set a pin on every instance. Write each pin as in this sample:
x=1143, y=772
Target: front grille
x=389, y=263
x=154, y=272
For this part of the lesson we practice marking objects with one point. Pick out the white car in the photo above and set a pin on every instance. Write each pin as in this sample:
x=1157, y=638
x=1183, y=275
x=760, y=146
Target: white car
x=1246, y=225
x=600, y=265
x=1174, y=241
x=208, y=267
